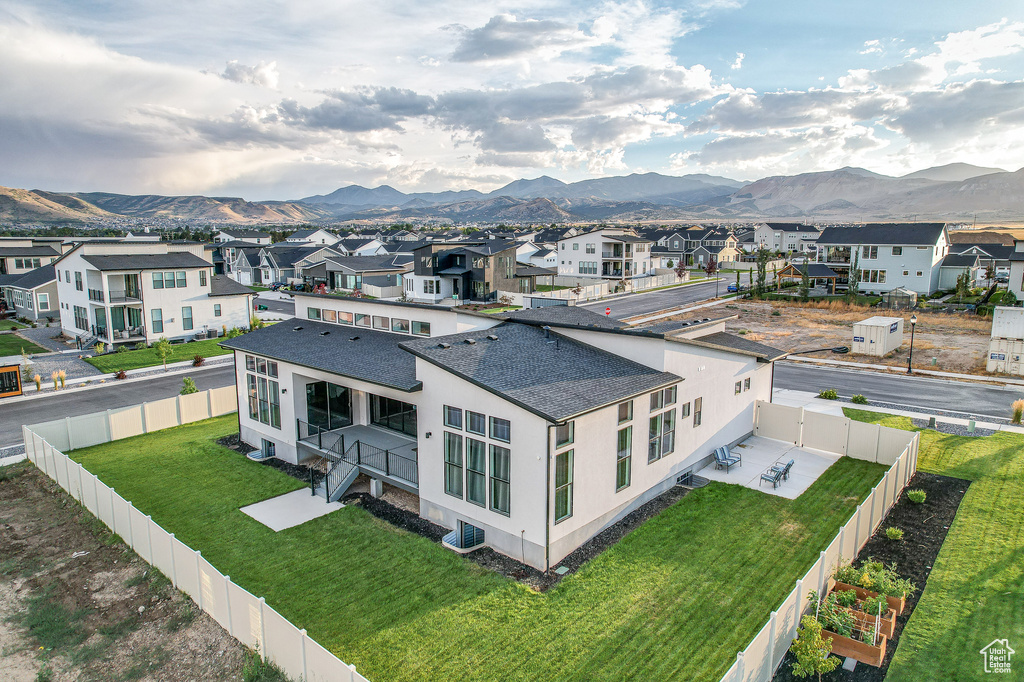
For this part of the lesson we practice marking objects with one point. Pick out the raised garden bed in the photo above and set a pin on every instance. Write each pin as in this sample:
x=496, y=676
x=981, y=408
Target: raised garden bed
x=925, y=528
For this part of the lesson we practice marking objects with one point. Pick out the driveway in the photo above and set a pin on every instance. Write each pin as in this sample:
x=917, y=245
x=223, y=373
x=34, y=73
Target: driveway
x=652, y=302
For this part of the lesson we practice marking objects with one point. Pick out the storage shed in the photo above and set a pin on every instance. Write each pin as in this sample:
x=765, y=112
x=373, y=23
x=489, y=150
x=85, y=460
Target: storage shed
x=899, y=299
x=877, y=335
x=1006, y=348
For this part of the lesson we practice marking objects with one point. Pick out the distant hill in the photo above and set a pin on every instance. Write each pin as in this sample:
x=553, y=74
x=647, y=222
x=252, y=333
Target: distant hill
x=952, y=172
x=37, y=206
x=211, y=209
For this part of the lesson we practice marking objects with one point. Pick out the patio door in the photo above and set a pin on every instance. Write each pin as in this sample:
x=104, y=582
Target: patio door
x=328, y=406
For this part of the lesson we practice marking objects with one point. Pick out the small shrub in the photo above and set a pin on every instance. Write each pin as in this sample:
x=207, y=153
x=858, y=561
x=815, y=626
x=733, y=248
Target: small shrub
x=917, y=496
x=38, y=381
x=100, y=348
x=894, y=533
x=812, y=651
x=188, y=386
x=256, y=669
x=828, y=394
x=141, y=345
x=1018, y=410
x=876, y=605
x=198, y=361
x=122, y=348
x=776, y=313
x=859, y=399
x=121, y=374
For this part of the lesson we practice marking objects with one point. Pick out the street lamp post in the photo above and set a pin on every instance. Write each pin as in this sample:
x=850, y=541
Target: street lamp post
x=910, y=360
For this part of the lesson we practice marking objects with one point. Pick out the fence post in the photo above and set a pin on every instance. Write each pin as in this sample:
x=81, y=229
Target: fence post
x=821, y=574
x=800, y=432
x=174, y=565
x=799, y=603
x=771, y=642
x=209, y=403
x=227, y=602
x=305, y=672
x=110, y=428
x=67, y=425
x=263, y=630
x=67, y=472
x=177, y=409
x=113, y=516
x=740, y=667
x=856, y=530
x=199, y=579
x=81, y=492
x=842, y=540
x=878, y=440
x=142, y=409
x=131, y=535
x=149, y=538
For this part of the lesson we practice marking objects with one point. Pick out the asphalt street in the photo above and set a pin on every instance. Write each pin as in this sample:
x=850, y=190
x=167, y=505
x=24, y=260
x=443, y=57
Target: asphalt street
x=278, y=303
x=656, y=301
x=85, y=401
x=981, y=400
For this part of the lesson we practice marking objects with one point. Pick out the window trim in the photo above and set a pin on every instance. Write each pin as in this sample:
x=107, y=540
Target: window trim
x=491, y=424
x=629, y=405
x=624, y=455
x=451, y=423
x=453, y=466
x=567, y=486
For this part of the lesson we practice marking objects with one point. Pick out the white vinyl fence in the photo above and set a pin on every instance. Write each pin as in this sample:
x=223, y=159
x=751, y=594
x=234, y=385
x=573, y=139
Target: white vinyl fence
x=246, y=617
x=898, y=448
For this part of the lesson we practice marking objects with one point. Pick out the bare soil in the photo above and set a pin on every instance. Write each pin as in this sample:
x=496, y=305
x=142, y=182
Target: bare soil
x=958, y=342
x=77, y=604
x=925, y=527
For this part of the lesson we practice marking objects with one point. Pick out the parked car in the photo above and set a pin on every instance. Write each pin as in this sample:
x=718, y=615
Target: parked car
x=1002, y=278
x=278, y=285
x=732, y=288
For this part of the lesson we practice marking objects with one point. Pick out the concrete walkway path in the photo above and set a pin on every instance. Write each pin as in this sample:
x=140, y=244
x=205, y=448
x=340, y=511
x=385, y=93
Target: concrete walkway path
x=291, y=509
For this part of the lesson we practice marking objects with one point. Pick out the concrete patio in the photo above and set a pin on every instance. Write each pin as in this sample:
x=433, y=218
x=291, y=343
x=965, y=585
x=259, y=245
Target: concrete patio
x=290, y=510
x=761, y=453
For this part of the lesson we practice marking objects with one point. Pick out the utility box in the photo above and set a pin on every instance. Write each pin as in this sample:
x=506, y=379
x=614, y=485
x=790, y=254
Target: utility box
x=877, y=335
x=1006, y=348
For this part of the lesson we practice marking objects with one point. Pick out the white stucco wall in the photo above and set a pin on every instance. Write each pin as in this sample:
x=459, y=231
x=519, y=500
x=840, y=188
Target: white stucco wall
x=442, y=321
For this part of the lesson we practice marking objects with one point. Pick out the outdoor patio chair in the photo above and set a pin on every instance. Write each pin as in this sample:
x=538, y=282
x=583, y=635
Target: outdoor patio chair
x=772, y=475
x=723, y=460
x=732, y=455
x=784, y=468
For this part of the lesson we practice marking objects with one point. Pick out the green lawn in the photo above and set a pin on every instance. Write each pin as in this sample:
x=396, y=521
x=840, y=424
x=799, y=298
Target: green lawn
x=12, y=344
x=504, y=309
x=257, y=288
x=134, y=359
x=975, y=592
x=676, y=599
x=6, y=325
x=548, y=287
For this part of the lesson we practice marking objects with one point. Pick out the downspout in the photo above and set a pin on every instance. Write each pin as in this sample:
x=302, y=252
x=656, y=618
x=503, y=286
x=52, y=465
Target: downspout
x=547, y=501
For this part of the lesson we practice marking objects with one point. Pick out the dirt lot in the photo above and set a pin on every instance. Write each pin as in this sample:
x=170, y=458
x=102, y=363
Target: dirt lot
x=958, y=342
x=77, y=604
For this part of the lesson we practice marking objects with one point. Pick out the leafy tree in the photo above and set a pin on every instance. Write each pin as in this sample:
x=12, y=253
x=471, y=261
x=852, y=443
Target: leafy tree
x=162, y=348
x=711, y=268
x=813, y=652
x=738, y=285
x=680, y=269
x=1009, y=298
x=188, y=386
x=990, y=272
x=763, y=255
x=963, y=286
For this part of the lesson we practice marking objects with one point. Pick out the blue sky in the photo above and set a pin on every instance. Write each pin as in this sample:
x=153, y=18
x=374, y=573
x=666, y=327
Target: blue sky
x=279, y=100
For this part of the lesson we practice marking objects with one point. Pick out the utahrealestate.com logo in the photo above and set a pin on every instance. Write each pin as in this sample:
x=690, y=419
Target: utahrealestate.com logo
x=997, y=656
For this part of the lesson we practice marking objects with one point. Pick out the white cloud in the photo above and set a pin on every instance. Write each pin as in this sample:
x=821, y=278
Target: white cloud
x=872, y=47
x=738, y=64
x=262, y=74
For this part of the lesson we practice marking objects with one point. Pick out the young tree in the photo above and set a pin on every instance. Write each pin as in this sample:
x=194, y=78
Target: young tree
x=739, y=286
x=813, y=652
x=711, y=268
x=188, y=386
x=805, y=282
x=680, y=269
x=854, y=280
x=1009, y=298
x=963, y=286
x=763, y=255
x=990, y=272
x=162, y=348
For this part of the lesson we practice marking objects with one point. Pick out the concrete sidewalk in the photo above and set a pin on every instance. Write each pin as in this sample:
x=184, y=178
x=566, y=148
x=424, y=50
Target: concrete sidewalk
x=903, y=370
x=290, y=510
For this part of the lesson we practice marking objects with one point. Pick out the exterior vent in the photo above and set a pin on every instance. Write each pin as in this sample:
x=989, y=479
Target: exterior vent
x=470, y=342
x=492, y=337
x=296, y=329
x=444, y=346
x=324, y=333
x=353, y=338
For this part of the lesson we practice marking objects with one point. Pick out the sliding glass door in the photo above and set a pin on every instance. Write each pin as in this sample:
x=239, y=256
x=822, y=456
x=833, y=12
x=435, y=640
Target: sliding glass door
x=393, y=414
x=328, y=405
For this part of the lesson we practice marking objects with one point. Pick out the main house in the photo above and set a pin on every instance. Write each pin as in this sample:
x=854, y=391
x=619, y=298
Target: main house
x=470, y=270
x=889, y=255
x=786, y=237
x=529, y=432
x=607, y=253
x=133, y=292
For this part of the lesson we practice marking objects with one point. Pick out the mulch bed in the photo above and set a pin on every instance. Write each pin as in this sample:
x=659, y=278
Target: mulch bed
x=233, y=442
x=925, y=528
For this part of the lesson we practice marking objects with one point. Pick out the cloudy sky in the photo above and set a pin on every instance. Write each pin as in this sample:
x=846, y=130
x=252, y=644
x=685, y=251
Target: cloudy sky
x=279, y=100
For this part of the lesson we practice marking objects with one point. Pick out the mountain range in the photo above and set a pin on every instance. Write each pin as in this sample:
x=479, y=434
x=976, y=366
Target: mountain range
x=954, y=192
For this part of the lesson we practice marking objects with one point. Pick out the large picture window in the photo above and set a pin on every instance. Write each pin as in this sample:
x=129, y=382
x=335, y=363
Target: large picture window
x=393, y=414
x=624, y=458
x=453, y=464
x=662, y=436
x=328, y=405
x=157, y=316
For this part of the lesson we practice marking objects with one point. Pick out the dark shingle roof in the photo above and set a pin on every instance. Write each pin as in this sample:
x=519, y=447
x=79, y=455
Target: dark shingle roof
x=374, y=357
x=146, y=261
x=385, y=262
x=286, y=256
x=564, y=316
x=33, y=278
x=556, y=378
x=28, y=251
x=528, y=270
x=732, y=342
x=815, y=270
x=916, y=234
x=957, y=260
x=996, y=251
x=222, y=285
x=792, y=227
x=232, y=232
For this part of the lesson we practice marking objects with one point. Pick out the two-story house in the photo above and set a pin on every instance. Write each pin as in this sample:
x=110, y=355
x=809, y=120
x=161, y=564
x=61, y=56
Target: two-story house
x=606, y=253
x=230, y=234
x=890, y=255
x=786, y=237
x=529, y=432
x=477, y=271
x=33, y=294
x=315, y=236
x=138, y=292
x=19, y=256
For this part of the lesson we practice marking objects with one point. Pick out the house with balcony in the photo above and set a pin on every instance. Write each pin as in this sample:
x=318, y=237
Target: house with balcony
x=889, y=255
x=33, y=294
x=606, y=253
x=786, y=237
x=120, y=293
x=528, y=432
x=465, y=271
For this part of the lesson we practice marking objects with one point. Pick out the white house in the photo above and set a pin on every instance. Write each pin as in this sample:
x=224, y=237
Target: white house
x=529, y=432
x=786, y=237
x=32, y=295
x=141, y=291
x=607, y=253
x=357, y=246
x=19, y=256
x=317, y=236
x=889, y=255
x=254, y=237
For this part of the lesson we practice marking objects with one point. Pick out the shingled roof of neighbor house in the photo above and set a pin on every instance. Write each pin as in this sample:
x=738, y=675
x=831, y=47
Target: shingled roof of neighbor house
x=550, y=375
x=146, y=261
x=354, y=352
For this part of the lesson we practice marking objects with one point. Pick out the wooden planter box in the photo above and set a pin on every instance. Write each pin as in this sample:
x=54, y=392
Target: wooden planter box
x=896, y=604
x=858, y=651
x=865, y=621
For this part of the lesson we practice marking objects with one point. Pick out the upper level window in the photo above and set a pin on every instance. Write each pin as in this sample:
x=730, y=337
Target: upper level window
x=663, y=398
x=869, y=252
x=501, y=429
x=202, y=278
x=897, y=250
x=476, y=423
x=565, y=434
x=453, y=417
x=313, y=313
x=625, y=411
